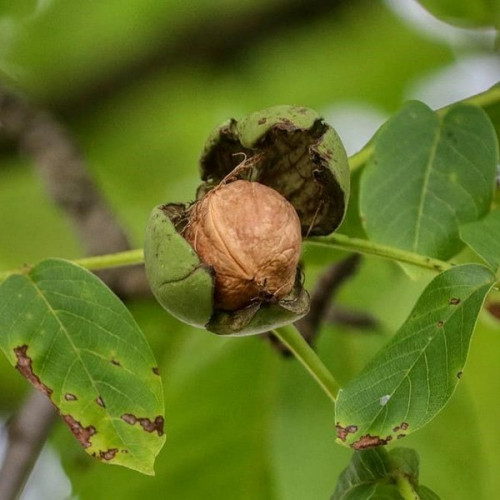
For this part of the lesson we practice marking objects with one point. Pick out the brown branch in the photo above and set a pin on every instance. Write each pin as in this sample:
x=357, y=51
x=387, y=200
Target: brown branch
x=326, y=288
x=214, y=40
x=355, y=319
x=27, y=433
x=61, y=166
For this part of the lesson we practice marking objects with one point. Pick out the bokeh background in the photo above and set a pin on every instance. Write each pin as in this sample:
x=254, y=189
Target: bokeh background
x=139, y=84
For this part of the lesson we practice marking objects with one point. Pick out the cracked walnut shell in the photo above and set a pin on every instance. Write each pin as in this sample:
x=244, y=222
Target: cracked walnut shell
x=235, y=273
x=251, y=236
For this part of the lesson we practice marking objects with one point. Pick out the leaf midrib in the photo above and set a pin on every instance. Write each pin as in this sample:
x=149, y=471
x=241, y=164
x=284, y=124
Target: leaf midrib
x=432, y=339
x=63, y=328
x=423, y=194
x=418, y=357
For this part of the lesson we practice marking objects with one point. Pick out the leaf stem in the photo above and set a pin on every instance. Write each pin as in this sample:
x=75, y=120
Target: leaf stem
x=118, y=259
x=336, y=240
x=358, y=159
x=405, y=488
x=483, y=99
x=344, y=242
x=304, y=353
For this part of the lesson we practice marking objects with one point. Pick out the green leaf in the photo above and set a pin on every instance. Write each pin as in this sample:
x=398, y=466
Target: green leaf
x=411, y=379
x=483, y=237
x=492, y=108
x=365, y=470
x=406, y=461
x=73, y=339
x=374, y=474
x=464, y=12
x=426, y=494
x=222, y=395
x=429, y=174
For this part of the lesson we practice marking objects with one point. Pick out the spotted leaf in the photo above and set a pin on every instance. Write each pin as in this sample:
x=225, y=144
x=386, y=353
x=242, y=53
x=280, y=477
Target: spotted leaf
x=73, y=339
x=412, y=378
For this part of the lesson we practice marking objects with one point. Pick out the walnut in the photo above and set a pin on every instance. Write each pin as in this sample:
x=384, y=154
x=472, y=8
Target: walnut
x=251, y=236
x=227, y=263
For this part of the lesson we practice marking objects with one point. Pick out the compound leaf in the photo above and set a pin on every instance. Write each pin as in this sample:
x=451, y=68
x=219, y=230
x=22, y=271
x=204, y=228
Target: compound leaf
x=73, y=339
x=411, y=379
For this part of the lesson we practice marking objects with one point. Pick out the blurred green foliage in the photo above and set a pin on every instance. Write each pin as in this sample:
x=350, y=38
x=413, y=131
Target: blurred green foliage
x=242, y=423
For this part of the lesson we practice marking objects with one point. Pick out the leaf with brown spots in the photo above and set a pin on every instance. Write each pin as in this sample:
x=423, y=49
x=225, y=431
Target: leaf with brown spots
x=83, y=434
x=108, y=454
x=24, y=366
x=147, y=424
x=101, y=368
x=412, y=378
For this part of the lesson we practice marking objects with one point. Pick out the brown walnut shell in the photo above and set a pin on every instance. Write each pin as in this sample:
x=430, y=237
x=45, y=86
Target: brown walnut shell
x=251, y=236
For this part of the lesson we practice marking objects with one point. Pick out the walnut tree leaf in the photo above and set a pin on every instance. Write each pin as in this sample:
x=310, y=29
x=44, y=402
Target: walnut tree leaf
x=373, y=474
x=412, y=378
x=74, y=340
x=429, y=174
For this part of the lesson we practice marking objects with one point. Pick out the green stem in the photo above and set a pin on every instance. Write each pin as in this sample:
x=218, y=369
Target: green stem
x=358, y=159
x=405, y=488
x=483, y=100
x=119, y=259
x=344, y=242
x=341, y=241
x=304, y=353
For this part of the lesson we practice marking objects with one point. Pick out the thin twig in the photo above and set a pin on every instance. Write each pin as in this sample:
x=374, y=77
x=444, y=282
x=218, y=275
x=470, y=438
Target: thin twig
x=307, y=357
x=343, y=316
x=27, y=433
x=321, y=299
